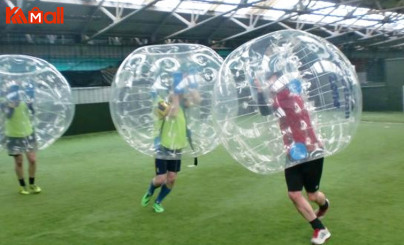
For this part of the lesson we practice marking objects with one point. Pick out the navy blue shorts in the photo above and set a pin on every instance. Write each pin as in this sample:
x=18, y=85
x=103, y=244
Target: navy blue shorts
x=163, y=165
x=307, y=175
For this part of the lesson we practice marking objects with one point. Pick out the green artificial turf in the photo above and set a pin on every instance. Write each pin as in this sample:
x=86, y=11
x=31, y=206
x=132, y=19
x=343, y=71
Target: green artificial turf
x=92, y=186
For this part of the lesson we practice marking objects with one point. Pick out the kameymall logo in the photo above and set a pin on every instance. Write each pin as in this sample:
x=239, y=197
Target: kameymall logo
x=35, y=16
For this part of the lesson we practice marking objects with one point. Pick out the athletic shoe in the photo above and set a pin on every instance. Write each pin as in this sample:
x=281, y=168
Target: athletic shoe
x=145, y=199
x=320, y=236
x=320, y=213
x=158, y=208
x=35, y=189
x=23, y=190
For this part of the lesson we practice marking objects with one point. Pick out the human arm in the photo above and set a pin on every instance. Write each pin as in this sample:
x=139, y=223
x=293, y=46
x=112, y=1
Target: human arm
x=174, y=105
x=192, y=98
x=191, y=95
x=168, y=109
x=31, y=108
x=9, y=108
x=263, y=107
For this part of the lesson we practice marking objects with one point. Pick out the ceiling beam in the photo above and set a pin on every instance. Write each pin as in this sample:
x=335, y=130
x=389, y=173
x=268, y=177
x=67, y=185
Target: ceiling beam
x=164, y=21
x=90, y=18
x=192, y=26
x=285, y=26
x=111, y=16
x=285, y=17
x=390, y=40
x=9, y=3
x=212, y=18
x=316, y=25
x=125, y=18
x=282, y=18
x=361, y=41
x=369, y=32
x=210, y=36
x=398, y=45
x=374, y=32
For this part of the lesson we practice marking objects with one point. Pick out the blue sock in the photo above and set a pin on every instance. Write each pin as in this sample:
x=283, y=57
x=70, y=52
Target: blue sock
x=163, y=193
x=151, y=189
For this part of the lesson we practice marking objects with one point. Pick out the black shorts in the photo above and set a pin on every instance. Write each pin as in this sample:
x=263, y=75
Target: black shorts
x=19, y=145
x=307, y=175
x=163, y=165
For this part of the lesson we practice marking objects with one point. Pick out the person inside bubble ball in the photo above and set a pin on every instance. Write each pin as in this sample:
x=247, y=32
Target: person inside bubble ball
x=300, y=142
x=19, y=133
x=172, y=135
x=295, y=124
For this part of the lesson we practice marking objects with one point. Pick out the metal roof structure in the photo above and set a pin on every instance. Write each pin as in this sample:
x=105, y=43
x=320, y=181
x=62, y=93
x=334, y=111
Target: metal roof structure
x=221, y=24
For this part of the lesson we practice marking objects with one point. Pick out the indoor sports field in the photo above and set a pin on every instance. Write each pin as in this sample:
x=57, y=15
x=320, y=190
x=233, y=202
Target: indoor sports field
x=92, y=186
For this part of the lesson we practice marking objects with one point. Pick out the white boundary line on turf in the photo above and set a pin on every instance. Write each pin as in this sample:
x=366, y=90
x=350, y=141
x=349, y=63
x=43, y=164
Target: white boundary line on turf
x=382, y=122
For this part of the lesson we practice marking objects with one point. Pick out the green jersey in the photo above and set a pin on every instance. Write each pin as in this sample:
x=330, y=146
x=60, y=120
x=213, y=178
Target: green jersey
x=173, y=133
x=19, y=124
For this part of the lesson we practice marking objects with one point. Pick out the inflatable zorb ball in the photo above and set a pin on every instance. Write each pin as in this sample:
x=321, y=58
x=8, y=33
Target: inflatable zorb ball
x=36, y=103
x=162, y=98
x=286, y=98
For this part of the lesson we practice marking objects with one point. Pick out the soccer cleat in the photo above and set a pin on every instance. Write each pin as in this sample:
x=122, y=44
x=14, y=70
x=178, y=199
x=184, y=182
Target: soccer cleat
x=145, y=199
x=35, y=189
x=158, y=208
x=320, y=236
x=23, y=190
x=320, y=213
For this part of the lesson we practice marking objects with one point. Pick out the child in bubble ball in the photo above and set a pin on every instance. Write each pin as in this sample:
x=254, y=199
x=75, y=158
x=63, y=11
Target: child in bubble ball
x=301, y=143
x=19, y=133
x=172, y=137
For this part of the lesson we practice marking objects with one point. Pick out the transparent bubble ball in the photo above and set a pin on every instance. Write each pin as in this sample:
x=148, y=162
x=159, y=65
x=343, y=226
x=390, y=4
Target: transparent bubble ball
x=286, y=98
x=162, y=98
x=35, y=99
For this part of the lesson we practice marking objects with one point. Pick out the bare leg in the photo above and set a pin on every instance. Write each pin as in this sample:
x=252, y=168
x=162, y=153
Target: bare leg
x=171, y=177
x=317, y=197
x=302, y=205
x=31, y=156
x=159, y=180
x=19, y=170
